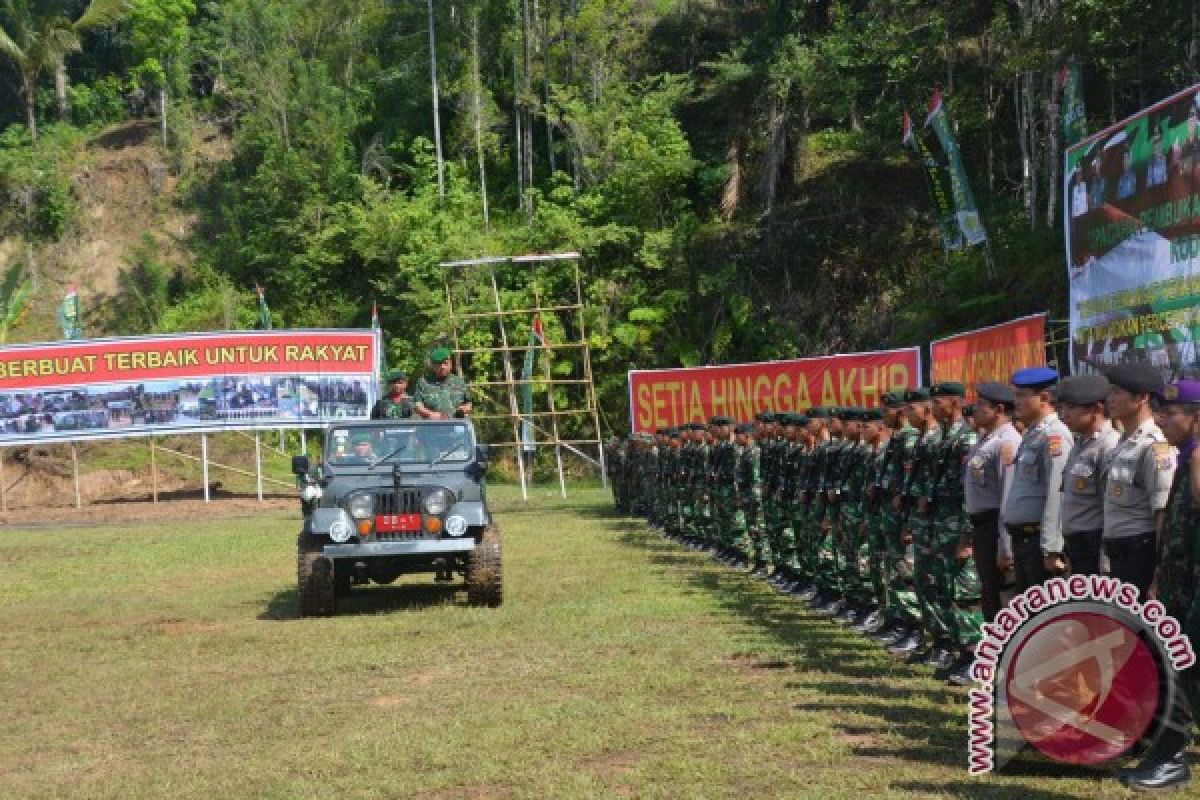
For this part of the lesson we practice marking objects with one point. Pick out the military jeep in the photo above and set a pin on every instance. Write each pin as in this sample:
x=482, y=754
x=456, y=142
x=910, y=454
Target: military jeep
x=392, y=498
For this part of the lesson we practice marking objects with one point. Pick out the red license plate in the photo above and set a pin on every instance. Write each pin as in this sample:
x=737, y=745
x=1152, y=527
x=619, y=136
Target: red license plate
x=389, y=523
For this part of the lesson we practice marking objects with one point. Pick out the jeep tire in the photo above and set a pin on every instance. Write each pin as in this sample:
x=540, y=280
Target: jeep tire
x=484, y=580
x=315, y=596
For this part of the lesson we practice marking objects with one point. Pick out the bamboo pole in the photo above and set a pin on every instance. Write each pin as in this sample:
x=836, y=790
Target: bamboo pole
x=204, y=463
x=562, y=481
x=153, y=471
x=258, y=465
x=514, y=412
x=587, y=374
x=75, y=471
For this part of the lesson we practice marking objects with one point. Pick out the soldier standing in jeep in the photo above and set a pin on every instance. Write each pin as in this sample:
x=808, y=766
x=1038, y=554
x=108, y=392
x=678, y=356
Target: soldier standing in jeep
x=440, y=394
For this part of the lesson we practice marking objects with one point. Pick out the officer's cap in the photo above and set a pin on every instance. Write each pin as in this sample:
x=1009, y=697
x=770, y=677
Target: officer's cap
x=396, y=375
x=1034, y=378
x=1083, y=390
x=820, y=412
x=919, y=395
x=766, y=417
x=1181, y=392
x=998, y=393
x=894, y=398
x=872, y=414
x=1136, y=378
x=746, y=428
x=948, y=389
x=721, y=420
x=439, y=354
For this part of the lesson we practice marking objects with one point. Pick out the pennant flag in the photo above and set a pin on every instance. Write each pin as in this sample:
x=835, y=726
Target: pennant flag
x=937, y=177
x=264, y=313
x=1074, y=120
x=382, y=366
x=68, y=315
x=537, y=338
x=966, y=212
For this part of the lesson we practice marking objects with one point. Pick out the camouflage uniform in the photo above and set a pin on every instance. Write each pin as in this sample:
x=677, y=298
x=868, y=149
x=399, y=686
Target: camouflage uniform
x=443, y=395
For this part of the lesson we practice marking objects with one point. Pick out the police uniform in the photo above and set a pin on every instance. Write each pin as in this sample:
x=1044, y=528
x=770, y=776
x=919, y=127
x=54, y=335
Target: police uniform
x=1083, y=477
x=1034, y=504
x=989, y=471
x=1178, y=581
x=1137, y=485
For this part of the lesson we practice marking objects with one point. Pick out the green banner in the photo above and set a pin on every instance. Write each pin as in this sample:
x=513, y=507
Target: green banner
x=69, y=317
x=1074, y=122
x=937, y=176
x=966, y=212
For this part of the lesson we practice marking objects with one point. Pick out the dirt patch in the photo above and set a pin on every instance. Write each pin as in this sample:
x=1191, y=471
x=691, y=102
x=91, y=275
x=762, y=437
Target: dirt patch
x=391, y=701
x=183, y=627
x=176, y=510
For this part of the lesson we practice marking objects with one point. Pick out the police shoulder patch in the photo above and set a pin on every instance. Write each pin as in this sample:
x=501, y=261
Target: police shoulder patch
x=1164, y=459
x=1054, y=442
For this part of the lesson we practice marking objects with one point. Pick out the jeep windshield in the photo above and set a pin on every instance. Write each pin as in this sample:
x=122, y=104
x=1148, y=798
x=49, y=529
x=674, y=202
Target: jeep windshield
x=391, y=443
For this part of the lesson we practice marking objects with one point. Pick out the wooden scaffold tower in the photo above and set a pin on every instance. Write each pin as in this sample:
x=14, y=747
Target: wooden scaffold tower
x=485, y=314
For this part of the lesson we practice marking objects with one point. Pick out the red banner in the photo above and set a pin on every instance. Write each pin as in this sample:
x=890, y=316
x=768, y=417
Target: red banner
x=246, y=380
x=990, y=354
x=189, y=356
x=665, y=398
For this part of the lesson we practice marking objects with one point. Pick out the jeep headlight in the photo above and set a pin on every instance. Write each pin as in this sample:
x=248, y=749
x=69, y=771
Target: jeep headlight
x=341, y=531
x=361, y=506
x=310, y=493
x=456, y=525
x=437, y=501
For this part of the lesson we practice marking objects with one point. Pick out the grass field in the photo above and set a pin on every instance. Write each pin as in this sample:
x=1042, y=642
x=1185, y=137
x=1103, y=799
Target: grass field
x=164, y=661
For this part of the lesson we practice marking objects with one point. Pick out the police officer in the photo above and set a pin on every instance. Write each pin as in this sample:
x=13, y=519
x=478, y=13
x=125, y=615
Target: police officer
x=989, y=470
x=1177, y=583
x=1034, y=503
x=1081, y=401
x=396, y=404
x=1139, y=476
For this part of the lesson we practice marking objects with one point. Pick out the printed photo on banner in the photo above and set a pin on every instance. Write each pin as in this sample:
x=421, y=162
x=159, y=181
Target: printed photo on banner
x=1133, y=239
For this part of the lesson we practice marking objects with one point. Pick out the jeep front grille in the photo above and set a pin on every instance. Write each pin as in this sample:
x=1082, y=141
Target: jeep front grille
x=399, y=501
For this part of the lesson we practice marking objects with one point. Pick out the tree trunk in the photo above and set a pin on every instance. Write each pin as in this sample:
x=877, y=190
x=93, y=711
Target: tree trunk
x=1053, y=133
x=520, y=145
x=545, y=26
x=60, y=88
x=477, y=90
x=162, y=113
x=437, y=118
x=27, y=90
x=526, y=99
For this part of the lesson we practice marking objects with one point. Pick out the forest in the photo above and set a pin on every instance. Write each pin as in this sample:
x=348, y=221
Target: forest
x=732, y=172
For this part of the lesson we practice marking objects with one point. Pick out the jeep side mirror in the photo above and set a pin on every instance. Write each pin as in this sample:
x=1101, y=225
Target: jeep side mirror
x=300, y=465
x=483, y=453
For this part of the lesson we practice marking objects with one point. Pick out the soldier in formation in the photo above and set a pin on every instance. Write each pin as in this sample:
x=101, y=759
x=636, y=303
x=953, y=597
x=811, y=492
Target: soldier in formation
x=909, y=521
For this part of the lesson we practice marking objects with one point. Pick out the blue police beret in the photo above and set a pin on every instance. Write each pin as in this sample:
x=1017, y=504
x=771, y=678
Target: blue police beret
x=1034, y=378
x=1181, y=392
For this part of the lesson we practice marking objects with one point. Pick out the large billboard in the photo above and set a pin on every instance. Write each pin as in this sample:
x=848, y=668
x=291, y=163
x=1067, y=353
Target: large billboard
x=663, y=398
x=993, y=353
x=1133, y=238
x=185, y=383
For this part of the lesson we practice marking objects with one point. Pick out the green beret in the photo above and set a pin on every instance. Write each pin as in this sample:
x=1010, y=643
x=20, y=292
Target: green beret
x=439, y=354
x=766, y=417
x=873, y=415
x=820, y=412
x=916, y=395
x=893, y=399
x=396, y=375
x=721, y=420
x=745, y=428
x=948, y=389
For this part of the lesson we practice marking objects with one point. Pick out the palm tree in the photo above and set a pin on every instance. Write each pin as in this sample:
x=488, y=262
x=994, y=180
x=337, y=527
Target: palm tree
x=36, y=36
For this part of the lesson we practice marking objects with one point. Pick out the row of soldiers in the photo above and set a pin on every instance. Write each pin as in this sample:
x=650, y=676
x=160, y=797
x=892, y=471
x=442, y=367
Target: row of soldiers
x=907, y=521
x=857, y=511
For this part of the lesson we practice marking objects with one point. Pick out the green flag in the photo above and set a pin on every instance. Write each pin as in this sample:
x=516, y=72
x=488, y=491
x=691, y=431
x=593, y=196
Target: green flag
x=966, y=212
x=1074, y=121
x=264, y=313
x=937, y=176
x=69, y=317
